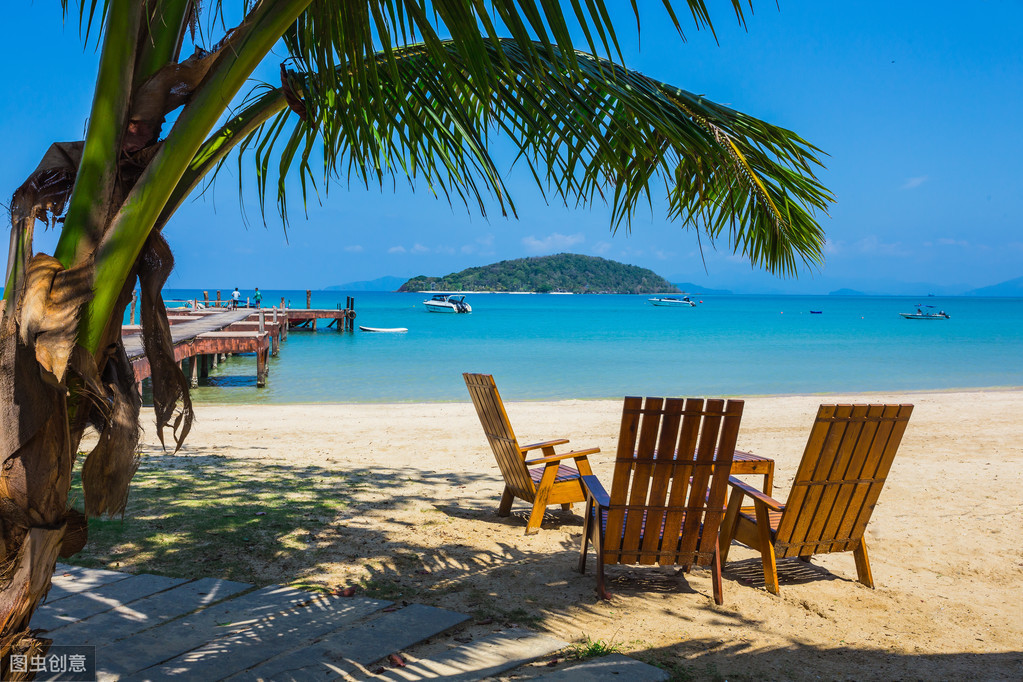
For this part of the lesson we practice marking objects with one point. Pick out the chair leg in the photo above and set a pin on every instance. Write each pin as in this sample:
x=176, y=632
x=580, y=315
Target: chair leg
x=587, y=529
x=863, y=564
x=602, y=591
x=506, y=502
x=730, y=523
x=716, y=574
x=767, y=548
x=543, y=492
x=566, y=507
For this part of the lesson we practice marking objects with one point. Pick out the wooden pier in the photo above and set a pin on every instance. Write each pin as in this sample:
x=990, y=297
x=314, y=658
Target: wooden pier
x=207, y=332
x=206, y=336
x=342, y=319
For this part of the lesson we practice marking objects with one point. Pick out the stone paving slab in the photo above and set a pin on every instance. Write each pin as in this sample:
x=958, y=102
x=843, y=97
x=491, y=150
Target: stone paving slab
x=148, y=627
x=264, y=639
x=358, y=644
x=81, y=605
x=159, y=644
x=482, y=658
x=69, y=580
x=607, y=668
x=127, y=620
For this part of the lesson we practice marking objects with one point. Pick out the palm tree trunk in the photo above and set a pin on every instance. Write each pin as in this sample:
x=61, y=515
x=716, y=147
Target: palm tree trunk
x=62, y=364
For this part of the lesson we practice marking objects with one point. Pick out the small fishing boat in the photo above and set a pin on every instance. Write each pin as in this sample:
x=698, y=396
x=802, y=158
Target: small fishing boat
x=447, y=303
x=816, y=312
x=672, y=301
x=383, y=329
x=920, y=314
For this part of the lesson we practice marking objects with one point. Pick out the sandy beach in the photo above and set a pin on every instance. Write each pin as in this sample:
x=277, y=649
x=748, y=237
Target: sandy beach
x=945, y=539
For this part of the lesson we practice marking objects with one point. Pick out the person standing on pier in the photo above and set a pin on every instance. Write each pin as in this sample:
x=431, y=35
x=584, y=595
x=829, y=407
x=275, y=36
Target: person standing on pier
x=236, y=296
x=258, y=298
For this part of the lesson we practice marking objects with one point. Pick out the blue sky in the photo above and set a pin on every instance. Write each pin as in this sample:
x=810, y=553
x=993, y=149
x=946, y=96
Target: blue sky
x=916, y=104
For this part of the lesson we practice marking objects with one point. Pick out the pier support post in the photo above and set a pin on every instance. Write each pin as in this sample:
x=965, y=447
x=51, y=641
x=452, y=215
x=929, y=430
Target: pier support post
x=194, y=362
x=308, y=299
x=218, y=298
x=206, y=298
x=134, y=298
x=204, y=366
x=261, y=358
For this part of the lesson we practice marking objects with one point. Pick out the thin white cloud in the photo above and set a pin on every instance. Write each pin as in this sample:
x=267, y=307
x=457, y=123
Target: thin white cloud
x=872, y=244
x=913, y=183
x=945, y=241
x=601, y=247
x=396, y=249
x=552, y=242
x=354, y=248
x=419, y=248
x=832, y=247
x=483, y=245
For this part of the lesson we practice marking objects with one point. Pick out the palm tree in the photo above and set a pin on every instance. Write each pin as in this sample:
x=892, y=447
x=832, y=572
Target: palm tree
x=381, y=89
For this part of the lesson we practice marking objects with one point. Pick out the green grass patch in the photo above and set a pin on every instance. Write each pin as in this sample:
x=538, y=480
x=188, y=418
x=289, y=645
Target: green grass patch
x=594, y=648
x=191, y=516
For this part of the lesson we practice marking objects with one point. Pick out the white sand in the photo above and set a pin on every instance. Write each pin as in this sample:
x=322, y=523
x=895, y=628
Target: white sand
x=945, y=541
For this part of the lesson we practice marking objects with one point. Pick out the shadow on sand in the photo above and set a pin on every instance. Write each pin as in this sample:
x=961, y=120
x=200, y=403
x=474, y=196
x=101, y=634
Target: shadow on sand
x=202, y=513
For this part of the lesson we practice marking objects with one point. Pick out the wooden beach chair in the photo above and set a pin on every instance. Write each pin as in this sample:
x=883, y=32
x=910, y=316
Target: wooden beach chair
x=668, y=492
x=845, y=463
x=542, y=481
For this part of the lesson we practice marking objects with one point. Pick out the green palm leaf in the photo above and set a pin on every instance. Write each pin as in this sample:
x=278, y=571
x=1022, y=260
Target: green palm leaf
x=587, y=128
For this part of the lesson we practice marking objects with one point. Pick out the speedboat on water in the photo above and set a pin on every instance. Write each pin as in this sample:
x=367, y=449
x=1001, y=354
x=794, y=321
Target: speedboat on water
x=929, y=315
x=447, y=303
x=673, y=301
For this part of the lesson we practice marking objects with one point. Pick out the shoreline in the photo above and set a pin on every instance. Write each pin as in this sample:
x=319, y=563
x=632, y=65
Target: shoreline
x=837, y=394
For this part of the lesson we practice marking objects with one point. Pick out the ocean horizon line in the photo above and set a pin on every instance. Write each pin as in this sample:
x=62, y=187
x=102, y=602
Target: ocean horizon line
x=740, y=396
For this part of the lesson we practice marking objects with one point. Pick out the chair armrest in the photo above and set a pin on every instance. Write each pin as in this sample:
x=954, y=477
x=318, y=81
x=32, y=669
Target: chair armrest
x=595, y=491
x=756, y=494
x=568, y=455
x=546, y=444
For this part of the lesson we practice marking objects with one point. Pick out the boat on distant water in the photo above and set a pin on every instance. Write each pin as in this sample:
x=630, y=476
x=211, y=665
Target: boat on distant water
x=928, y=315
x=447, y=303
x=673, y=301
x=383, y=329
x=816, y=312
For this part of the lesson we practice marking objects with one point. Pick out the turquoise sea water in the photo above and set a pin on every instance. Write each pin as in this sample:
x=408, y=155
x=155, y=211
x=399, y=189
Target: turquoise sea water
x=544, y=347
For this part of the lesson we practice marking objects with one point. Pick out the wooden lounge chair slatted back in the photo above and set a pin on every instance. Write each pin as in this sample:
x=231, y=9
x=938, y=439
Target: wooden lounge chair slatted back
x=845, y=464
x=498, y=429
x=670, y=476
x=846, y=461
x=551, y=483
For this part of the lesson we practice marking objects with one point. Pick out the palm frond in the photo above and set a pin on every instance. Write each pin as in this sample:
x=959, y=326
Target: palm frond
x=590, y=132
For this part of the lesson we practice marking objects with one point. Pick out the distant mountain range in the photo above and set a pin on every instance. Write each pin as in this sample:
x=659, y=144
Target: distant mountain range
x=564, y=272
x=1011, y=287
x=690, y=288
x=378, y=284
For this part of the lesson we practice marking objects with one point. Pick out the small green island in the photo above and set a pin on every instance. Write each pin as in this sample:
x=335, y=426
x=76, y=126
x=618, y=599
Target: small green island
x=561, y=273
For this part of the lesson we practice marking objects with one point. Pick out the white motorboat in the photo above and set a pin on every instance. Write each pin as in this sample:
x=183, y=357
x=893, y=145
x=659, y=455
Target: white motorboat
x=929, y=314
x=925, y=316
x=383, y=329
x=673, y=301
x=447, y=303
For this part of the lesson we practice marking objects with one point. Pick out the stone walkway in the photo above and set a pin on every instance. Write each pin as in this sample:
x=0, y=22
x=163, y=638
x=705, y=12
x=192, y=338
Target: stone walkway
x=148, y=627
